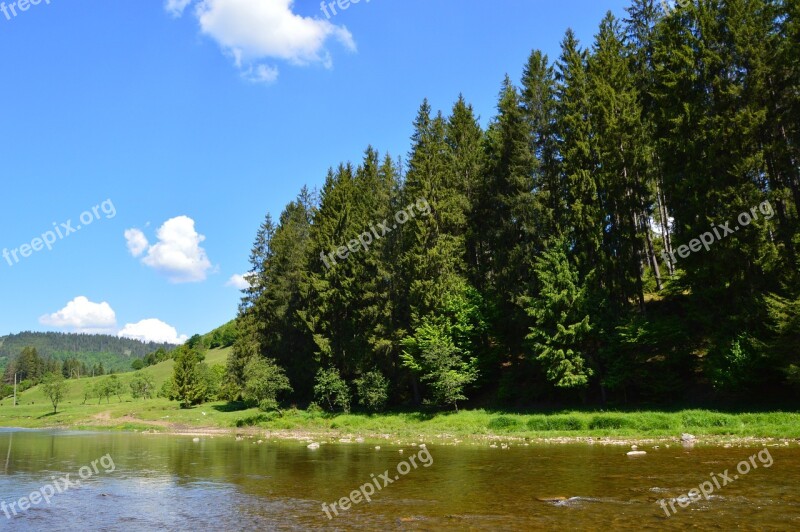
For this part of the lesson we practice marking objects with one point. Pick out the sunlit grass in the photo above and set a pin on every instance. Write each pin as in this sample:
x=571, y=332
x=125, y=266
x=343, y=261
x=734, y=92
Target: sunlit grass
x=35, y=411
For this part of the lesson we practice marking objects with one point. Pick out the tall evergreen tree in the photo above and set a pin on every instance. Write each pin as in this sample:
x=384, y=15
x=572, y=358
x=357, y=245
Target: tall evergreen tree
x=508, y=216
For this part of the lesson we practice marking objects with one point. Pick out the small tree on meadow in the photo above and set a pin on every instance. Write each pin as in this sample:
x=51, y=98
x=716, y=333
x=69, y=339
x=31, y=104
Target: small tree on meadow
x=188, y=387
x=55, y=388
x=142, y=386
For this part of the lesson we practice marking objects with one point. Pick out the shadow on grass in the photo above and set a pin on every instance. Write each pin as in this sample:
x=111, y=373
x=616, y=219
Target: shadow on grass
x=233, y=406
x=423, y=416
x=49, y=414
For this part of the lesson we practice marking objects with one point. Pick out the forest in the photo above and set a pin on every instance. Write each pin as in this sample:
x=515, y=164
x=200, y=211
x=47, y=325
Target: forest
x=566, y=256
x=31, y=355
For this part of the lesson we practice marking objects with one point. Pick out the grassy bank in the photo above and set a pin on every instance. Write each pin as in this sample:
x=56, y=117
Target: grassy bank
x=35, y=411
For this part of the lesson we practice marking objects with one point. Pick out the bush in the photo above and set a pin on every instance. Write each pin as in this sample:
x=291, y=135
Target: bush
x=166, y=390
x=607, y=421
x=702, y=419
x=649, y=421
x=265, y=381
x=373, y=391
x=557, y=422
x=332, y=390
x=315, y=410
x=504, y=423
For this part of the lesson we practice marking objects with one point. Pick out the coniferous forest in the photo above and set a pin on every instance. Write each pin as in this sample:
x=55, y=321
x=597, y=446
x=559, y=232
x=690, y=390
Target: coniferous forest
x=624, y=231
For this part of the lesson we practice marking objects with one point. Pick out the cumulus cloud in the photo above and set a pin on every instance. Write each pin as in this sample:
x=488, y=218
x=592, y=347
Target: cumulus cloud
x=253, y=31
x=152, y=330
x=238, y=281
x=84, y=316
x=177, y=254
x=137, y=242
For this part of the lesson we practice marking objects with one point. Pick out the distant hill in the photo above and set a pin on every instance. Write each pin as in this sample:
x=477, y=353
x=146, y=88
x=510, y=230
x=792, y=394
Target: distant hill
x=115, y=353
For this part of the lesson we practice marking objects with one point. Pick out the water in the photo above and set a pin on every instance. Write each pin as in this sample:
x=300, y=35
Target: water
x=159, y=482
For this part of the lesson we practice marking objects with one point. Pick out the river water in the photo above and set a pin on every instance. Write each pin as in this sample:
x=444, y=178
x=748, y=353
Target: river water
x=131, y=481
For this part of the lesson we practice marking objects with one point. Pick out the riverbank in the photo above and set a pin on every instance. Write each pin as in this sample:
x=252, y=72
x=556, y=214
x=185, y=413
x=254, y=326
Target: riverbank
x=472, y=426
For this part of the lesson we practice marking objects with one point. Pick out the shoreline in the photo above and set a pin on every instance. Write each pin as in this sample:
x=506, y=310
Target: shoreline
x=468, y=427
x=334, y=437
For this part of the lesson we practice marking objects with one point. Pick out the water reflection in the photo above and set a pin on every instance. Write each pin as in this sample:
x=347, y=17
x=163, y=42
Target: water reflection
x=172, y=483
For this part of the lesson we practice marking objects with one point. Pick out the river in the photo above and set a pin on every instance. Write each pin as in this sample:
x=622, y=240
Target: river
x=132, y=481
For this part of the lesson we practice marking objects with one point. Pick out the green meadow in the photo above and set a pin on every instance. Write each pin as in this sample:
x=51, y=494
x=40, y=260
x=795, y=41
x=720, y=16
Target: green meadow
x=35, y=411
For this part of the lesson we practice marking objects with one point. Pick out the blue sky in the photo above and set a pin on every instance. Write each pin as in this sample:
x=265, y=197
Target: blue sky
x=193, y=119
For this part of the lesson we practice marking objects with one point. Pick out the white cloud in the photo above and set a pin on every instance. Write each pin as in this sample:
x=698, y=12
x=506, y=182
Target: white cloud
x=81, y=315
x=260, y=74
x=176, y=7
x=177, y=254
x=152, y=330
x=238, y=281
x=137, y=242
x=252, y=31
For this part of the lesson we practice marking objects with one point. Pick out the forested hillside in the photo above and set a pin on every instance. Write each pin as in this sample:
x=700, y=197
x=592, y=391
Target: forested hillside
x=625, y=230
x=114, y=353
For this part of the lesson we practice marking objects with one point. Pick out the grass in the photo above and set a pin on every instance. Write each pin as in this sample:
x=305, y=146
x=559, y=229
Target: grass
x=35, y=411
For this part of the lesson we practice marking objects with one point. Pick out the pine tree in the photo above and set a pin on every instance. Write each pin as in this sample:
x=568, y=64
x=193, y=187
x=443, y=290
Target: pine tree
x=251, y=335
x=432, y=263
x=616, y=118
x=561, y=324
x=328, y=283
x=584, y=219
x=508, y=217
x=538, y=99
x=187, y=386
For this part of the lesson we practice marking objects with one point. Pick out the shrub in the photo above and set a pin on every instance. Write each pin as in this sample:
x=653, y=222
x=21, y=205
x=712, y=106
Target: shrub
x=166, y=390
x=607, y=421
x=702, y=419
x=556, y=422
x=332, y=390
x=265, y=381
x=504, y=423
x=315, y=410
x=373, y=391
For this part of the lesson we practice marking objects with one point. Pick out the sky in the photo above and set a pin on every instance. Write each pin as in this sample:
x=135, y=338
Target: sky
x=142, y=142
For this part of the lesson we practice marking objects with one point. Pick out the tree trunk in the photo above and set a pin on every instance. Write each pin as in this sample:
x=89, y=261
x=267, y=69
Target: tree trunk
x=663, y=215
x=651, y=252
